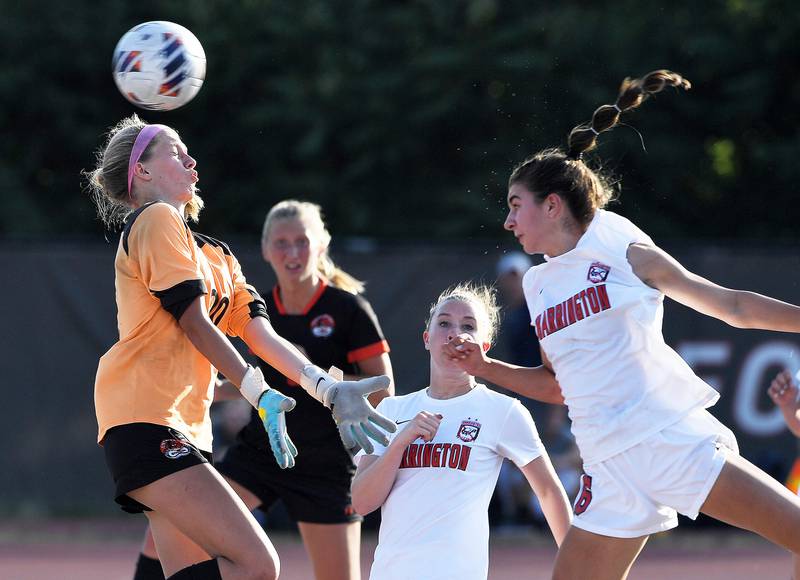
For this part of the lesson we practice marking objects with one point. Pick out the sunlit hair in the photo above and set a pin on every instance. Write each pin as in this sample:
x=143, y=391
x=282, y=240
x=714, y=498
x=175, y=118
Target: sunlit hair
x=482, y=298
x=108, y=181
x=310, y=215
x=565, y=173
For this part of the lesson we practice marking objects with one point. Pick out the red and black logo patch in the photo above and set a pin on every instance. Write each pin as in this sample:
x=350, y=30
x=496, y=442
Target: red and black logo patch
x=598, y=272
x=323, y=326
x=177, y=447
x=468, y=431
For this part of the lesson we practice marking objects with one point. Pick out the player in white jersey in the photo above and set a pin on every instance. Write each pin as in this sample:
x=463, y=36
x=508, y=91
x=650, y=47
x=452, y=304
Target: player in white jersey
x=434, y=480
x=649, y=447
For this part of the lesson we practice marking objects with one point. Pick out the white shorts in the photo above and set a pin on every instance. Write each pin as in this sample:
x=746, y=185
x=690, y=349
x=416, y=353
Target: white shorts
x=641, y=490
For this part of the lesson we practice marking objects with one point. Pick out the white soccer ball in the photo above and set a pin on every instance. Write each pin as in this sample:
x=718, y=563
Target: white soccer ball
x=159, y=65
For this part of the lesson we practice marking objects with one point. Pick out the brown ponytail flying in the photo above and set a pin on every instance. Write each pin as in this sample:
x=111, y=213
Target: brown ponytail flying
x=632, y=93
x=564, y=172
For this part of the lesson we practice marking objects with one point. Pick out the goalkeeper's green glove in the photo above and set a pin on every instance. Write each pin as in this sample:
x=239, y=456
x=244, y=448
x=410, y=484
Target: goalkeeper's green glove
x=272, y=406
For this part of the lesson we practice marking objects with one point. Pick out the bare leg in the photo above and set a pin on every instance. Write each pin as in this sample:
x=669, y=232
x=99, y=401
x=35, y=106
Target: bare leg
x=748, y=498
x=335, y=549
x=587, y=556
x=196, y=512
x=180, y=550
x=249, y=499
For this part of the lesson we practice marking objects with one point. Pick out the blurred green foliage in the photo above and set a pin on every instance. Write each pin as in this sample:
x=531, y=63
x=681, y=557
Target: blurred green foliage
x=404, y=118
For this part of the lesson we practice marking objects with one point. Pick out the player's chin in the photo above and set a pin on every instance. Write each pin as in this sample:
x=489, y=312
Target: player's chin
x=527, y=246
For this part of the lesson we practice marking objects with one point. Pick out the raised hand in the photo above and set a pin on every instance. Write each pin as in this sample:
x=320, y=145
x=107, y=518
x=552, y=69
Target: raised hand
x=783, y=390
x=423, y=426
x=466, y=353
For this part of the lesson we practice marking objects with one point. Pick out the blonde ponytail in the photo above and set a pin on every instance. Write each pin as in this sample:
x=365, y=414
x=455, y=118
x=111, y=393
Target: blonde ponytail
x=337, y=276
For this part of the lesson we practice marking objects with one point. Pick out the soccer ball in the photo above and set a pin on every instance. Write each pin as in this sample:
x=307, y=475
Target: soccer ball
x=159, y=65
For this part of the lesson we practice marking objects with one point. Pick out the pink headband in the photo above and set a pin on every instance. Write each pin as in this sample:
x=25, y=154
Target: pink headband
x=143, y=139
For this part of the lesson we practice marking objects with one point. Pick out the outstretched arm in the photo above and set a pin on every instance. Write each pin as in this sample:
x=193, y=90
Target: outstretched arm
x=369, y=367
x=537, y=383
x=270, y=404
x=739, y=308
x=547, y=487
x=269, y=346
x=356, y=419
x=211, y=342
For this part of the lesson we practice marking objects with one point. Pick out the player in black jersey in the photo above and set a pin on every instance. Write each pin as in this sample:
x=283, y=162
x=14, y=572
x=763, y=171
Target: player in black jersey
x=316, y=306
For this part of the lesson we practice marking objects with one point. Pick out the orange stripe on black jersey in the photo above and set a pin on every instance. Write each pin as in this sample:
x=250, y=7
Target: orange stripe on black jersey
x=368, y=351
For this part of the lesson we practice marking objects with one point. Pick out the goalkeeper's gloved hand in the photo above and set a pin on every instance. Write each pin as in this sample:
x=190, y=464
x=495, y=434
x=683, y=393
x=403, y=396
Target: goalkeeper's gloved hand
x=272, y=406
x=357, y=420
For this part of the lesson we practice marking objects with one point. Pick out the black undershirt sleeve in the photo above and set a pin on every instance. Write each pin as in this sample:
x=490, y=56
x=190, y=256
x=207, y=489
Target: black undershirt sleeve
x=177, y=299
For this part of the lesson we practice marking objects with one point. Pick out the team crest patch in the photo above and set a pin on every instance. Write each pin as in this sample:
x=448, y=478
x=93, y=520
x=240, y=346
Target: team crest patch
x=598, y=272
x=468, y=431
x=175, y=448
x=322, y=326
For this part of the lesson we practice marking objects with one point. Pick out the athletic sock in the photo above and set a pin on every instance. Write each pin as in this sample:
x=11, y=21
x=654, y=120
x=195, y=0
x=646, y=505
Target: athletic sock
x=208, y=570
x=148, y=568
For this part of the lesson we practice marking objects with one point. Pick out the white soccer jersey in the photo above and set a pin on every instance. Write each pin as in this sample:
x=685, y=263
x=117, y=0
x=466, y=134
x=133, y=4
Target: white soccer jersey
x=600, y=326
x=434, y=523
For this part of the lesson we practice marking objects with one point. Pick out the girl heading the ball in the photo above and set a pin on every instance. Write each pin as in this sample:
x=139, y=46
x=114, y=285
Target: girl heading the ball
x=178, y=294
x=649, y=447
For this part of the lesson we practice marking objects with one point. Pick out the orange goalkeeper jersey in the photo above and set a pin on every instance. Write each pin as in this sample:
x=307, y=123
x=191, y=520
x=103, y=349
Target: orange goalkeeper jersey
x=154, y=374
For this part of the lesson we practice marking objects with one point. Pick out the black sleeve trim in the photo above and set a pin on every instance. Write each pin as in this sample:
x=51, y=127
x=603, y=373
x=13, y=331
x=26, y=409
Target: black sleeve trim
x=177, y=299
x=126, y=232
x=257, y=307
x=202, y=240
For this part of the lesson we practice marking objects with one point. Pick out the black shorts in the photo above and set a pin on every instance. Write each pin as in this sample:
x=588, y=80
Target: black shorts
x=316, y=490
x=138, y=454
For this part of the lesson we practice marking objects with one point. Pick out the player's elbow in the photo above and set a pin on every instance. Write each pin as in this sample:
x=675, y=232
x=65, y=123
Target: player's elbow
x=553, y=395
x=363, y=501
x=362, y=505
x=547, y=491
